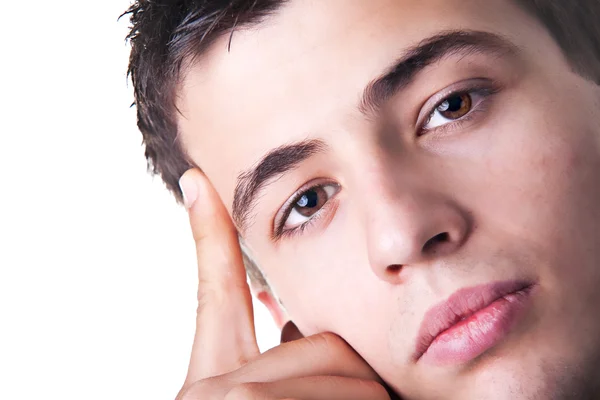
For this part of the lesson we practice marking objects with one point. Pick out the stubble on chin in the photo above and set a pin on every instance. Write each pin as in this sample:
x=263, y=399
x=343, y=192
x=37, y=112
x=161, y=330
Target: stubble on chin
x=571, y=382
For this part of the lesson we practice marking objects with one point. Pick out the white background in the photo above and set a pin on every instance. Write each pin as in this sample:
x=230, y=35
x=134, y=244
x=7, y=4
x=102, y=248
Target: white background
x=97, y=267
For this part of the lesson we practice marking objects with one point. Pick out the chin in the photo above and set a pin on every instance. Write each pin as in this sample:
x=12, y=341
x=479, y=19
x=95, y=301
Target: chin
x=525, y=367
x=530, y=375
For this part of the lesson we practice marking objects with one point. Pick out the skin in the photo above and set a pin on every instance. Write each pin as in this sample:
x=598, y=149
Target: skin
x=225, y=361
x=515, y=190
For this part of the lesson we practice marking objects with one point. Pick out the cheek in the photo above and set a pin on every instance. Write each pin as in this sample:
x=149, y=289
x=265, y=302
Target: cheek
x=542, y=166
x=540, y=189
x=325, y=282
x=327, y=285
x=321, y=284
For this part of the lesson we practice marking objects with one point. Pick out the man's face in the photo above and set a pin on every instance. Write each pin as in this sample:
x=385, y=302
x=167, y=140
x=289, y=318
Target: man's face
x=475, y=161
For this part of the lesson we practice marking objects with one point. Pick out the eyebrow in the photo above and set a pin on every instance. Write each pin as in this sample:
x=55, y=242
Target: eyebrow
x=276, y=163
x=426, y=53
x=281, y=160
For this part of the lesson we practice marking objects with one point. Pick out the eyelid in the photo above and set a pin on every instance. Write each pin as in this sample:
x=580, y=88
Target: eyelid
x=286, y=208
x=466, y=86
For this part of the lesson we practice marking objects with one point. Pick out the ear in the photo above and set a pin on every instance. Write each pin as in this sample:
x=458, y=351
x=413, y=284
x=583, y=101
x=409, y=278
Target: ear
x=273, y=306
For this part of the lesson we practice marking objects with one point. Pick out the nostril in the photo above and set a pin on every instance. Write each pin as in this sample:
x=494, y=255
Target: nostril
x=433, y=243
x=394, y=268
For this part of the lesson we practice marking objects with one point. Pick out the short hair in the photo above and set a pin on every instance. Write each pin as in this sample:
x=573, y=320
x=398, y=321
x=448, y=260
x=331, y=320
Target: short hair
x=165, y=35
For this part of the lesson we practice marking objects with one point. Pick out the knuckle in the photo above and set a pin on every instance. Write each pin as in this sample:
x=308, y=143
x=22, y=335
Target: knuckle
x=328, y=343
x=331, y=340
x=218, y=293
x=208, y=293
x=327, y=349
x=242, y=360
x=200, y=236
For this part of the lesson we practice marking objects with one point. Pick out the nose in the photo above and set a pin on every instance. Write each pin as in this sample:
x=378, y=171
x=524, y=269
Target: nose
x=413, y=228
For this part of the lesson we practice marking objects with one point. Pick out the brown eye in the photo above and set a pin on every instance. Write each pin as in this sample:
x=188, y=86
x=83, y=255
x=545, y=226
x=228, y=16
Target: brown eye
x=455, y=107
x=311, y=201
x=307, y=205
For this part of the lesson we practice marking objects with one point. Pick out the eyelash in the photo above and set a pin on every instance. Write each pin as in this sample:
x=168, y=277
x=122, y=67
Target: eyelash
x=485, y=93
x=280, y=233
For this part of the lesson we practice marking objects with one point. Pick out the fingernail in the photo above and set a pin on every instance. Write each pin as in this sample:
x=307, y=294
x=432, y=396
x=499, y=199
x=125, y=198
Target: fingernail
x=189, y=189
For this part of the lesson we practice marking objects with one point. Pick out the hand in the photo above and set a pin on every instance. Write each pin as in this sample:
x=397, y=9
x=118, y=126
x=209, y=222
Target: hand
x=225, y=361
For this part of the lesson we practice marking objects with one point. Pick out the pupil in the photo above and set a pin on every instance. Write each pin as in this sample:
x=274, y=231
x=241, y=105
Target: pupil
x=454, y=104
x=309, y=199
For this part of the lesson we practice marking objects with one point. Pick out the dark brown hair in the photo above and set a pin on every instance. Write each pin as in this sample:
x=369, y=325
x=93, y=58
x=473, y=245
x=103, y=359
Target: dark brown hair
x=165, y=34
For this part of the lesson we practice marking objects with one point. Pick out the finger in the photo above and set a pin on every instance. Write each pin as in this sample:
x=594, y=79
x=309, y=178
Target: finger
x=322, y=354
x=225, y=336
x=311, y=388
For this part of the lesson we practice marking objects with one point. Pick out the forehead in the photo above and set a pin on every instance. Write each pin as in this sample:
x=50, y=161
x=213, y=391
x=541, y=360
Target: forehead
x=301, y=73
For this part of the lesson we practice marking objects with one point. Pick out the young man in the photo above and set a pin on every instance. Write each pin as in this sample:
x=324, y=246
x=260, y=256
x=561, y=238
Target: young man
x=418, y=183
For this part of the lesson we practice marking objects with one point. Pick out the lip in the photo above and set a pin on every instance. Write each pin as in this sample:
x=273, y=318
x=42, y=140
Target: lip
x=470, y=321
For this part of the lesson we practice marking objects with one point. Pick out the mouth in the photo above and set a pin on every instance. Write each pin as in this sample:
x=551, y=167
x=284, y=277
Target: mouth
x=471, y=321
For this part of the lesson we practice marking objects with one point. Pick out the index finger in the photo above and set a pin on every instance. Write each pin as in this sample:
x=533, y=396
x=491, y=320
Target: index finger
x=225, y=337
